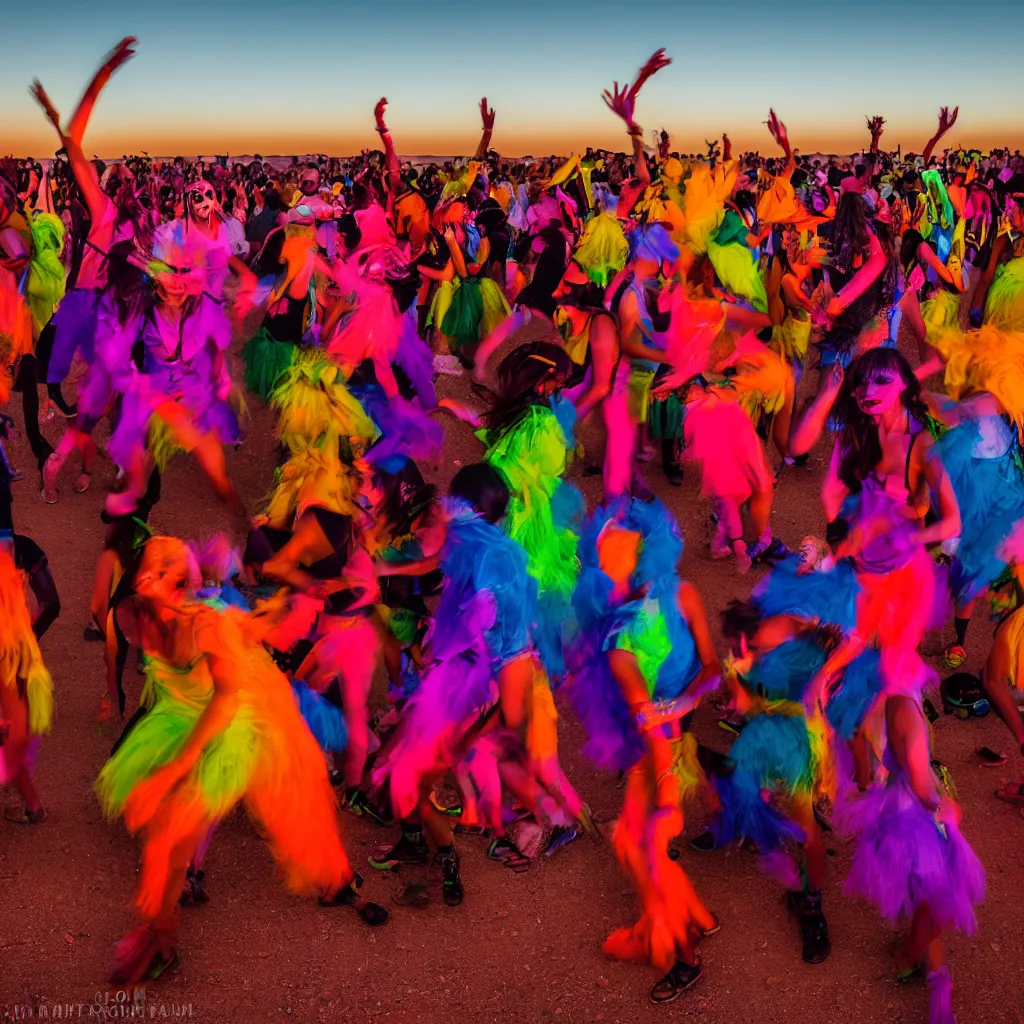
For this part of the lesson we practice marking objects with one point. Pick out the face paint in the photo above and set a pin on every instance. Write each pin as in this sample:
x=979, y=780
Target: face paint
x=878, y=393
x=204, y=202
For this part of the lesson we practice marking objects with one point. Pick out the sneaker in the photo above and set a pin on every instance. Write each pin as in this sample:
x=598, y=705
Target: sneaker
x=676, y=982
x=452, y=883
x=411, y=848
x=813, y=926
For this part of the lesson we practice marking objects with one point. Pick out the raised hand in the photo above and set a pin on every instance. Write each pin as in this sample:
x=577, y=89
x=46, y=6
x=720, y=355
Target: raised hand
x=486, y=115
x=43, y=100
x=620, y=103
x=655, y=63
x=623, y=102
x=778, y=130
x=378, y=113
x=946, y=120
x=120, y=54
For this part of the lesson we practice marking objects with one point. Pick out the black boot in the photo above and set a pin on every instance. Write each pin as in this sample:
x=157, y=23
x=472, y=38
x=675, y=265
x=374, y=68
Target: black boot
x=448, y=858
x=670, y=462
x=813, y=926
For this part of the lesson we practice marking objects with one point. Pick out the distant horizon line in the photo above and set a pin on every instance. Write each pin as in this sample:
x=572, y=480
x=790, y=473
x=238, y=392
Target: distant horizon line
x=424, y=158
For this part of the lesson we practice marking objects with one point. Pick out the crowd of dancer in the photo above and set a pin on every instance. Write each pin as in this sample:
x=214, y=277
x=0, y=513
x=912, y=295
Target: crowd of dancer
x=682, y=299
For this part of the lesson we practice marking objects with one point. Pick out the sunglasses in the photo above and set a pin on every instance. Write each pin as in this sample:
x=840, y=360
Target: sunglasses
x=199, y=193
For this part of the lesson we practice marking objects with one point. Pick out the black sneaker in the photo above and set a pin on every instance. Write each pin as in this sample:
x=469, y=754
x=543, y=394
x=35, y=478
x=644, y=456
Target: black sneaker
x=813, y=926
x=411, y=848
x=452, y=883
x=676, y=982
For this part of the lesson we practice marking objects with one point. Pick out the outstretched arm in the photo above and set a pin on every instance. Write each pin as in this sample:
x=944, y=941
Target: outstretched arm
x=85, y=173
x=121, y=53
x=946, y=121
x=487, y=118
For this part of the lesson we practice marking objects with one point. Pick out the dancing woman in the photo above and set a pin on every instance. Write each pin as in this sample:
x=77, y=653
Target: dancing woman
x=222, y=727
x=112, y=219
x=641, y=654
x=884, y=459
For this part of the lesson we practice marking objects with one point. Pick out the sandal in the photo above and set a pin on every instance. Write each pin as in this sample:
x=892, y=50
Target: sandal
x=676, y=982
x=517, y=861
x=500, y=848
x=23, y=816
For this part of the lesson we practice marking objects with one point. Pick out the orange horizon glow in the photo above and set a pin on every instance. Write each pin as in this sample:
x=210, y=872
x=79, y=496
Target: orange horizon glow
x=111, y=144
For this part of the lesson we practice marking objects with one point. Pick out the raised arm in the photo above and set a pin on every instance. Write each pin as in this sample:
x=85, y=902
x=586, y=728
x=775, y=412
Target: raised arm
x=946, y=121
x=71, y=139
x=622, y=103
x=876, y=126
x=487, y=119
x=779, y=134
x=392, y=174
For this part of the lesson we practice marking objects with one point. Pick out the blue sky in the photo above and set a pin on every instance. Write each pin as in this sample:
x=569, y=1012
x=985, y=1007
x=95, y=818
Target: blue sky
x=227, y=75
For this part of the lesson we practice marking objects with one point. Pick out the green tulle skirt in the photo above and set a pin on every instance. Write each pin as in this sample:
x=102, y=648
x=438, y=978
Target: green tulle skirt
x=222, y=773
x=266, y=361
x=461, y=324
x=1004, y=307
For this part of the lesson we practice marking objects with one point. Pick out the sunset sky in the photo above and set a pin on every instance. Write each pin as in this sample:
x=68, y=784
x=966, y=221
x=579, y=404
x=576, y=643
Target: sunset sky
x=216, y=76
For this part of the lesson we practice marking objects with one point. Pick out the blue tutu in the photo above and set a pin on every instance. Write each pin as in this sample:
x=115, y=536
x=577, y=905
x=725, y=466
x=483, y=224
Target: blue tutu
x=980, y=457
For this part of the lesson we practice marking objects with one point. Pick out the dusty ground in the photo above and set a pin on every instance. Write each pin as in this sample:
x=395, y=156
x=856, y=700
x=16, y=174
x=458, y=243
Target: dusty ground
x=522, y=947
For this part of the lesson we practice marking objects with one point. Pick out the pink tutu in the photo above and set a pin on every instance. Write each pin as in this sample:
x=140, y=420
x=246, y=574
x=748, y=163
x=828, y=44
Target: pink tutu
x=721, y=438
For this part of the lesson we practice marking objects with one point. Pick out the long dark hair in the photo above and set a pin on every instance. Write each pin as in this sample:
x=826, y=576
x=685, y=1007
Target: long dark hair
x=127, y=285
x=851, y=235
x=859, y=447
x=406, y=497
x=519, y=376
